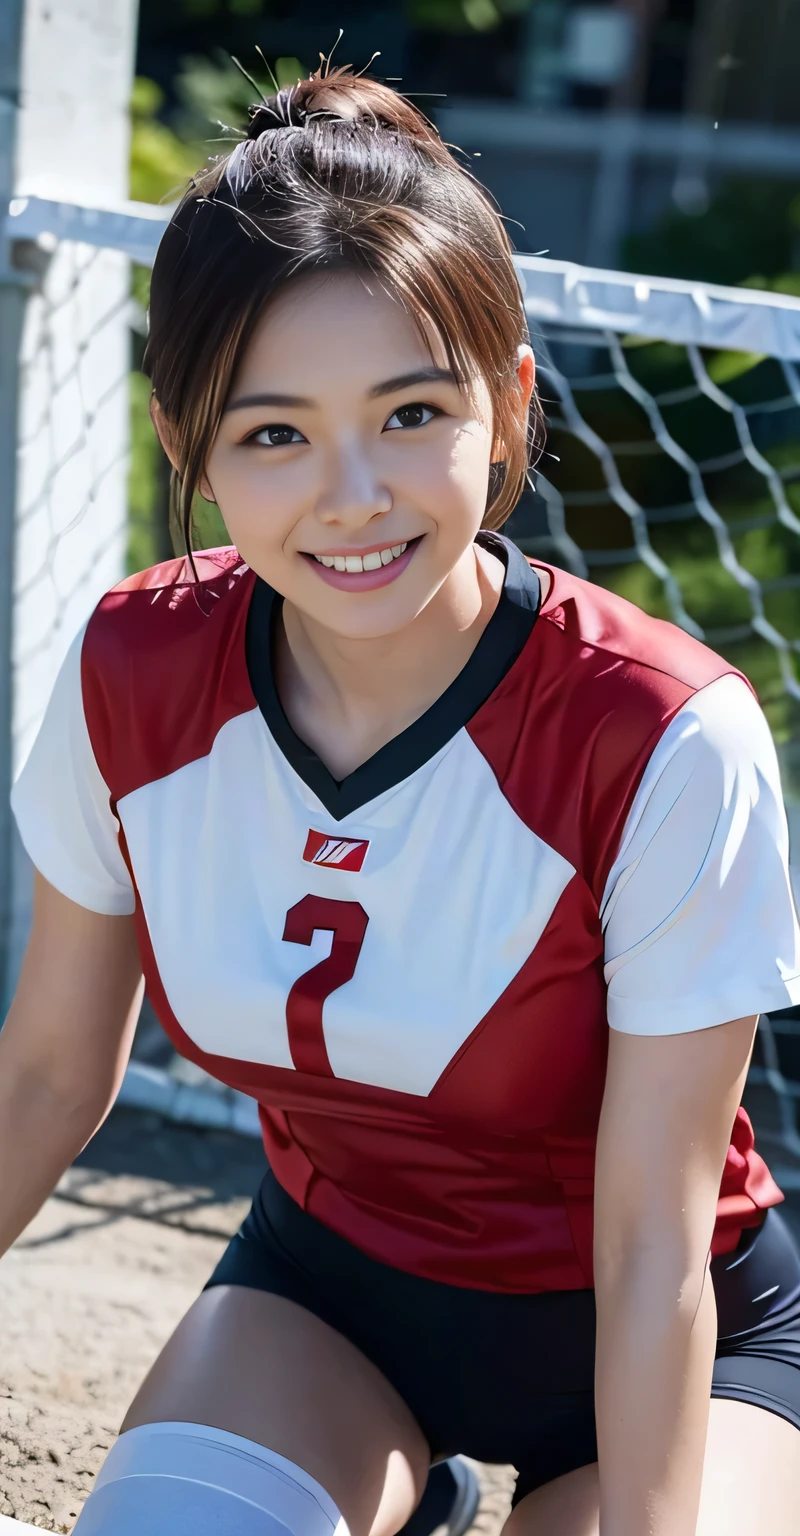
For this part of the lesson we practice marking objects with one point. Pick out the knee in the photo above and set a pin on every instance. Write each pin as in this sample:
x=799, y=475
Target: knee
x=163, y=1478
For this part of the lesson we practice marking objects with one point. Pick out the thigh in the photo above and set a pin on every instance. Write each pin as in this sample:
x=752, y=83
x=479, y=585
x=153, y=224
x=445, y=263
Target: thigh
x=751, y=1482
x=263, y=1367
x=751, y=1476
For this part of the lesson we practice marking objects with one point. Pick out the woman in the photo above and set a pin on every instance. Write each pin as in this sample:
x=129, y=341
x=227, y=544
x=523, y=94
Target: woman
x=397, y=824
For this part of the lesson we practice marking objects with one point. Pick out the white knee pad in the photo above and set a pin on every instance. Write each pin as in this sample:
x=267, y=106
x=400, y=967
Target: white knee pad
x=189, y=1480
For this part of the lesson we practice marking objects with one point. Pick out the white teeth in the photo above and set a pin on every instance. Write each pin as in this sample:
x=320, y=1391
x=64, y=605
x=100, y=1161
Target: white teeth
x=355, y=563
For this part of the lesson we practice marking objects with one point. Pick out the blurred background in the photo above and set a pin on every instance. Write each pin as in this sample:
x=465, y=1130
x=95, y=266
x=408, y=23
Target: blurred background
x=650, y=137
x=659, y=135
x=655, y=137
x=646, y=157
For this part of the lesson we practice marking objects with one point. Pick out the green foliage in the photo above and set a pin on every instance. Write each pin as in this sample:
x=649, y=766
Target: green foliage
x=462, y=16
x=149, y=539
x=142, y=478
x=724, y=367
x=209, y=529
x=212, y=91
x=160, y=165
x=160, y=162
x=750, y=236
x=749, y=227
x=738, y=491
x=288, y=71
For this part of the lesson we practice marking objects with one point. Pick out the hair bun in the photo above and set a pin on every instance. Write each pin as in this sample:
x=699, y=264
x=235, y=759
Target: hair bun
x=339, y=95
x=263, y=117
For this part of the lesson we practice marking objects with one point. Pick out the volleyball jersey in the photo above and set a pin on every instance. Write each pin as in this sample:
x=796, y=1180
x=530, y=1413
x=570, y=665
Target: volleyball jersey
x=414, y=970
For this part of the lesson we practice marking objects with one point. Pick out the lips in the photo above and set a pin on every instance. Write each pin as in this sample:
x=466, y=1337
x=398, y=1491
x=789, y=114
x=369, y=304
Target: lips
x=376, y=567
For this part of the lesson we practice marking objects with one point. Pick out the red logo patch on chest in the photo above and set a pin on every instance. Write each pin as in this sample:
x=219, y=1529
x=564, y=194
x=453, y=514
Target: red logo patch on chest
x=335, y=852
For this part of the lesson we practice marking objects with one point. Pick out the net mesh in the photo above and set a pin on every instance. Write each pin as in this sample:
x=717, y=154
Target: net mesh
x=671, y=476
x=71, y=522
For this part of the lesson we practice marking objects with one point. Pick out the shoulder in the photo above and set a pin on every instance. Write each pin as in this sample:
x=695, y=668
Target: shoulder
x=716, y=747
x=571, y=728
x=598, y=675
x=151, y=607
x=627, y=675
x=162, y=665
x=612, y=646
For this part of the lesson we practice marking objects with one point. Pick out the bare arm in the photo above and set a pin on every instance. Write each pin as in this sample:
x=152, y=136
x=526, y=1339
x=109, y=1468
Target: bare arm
x=63, y=1047
x=667, y=1115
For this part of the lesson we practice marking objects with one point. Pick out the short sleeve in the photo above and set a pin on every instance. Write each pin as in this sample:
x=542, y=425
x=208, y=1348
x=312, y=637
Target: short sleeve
x=698, y=916
x=62, y=807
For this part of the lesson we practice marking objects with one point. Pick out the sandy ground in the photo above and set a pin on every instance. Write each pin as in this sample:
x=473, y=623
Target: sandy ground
x=100, y=1278
x=93, y=1288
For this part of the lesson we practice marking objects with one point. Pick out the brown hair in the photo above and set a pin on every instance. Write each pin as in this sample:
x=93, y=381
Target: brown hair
x=336, y=172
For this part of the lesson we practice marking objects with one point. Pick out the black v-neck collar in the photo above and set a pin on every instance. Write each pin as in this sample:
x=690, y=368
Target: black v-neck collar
x=496, y=651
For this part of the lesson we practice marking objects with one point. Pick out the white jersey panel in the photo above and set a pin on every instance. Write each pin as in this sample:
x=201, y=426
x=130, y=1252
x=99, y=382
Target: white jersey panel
x=61, y=804
x=456, y=888
x=699, y=919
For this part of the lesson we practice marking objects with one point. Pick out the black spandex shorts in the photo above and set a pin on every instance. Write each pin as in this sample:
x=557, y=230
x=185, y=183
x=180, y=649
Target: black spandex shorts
x=509, y=1379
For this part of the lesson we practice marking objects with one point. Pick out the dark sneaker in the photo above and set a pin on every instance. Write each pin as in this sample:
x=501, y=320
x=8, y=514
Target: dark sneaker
x=450, y=1501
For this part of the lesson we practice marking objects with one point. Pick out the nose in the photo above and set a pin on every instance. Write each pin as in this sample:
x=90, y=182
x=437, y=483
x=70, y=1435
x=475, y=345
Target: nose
x=353, y=494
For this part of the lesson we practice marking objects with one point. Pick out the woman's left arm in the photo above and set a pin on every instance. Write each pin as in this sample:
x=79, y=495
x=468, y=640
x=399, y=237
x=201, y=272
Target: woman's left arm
x=699, y=927
x=665, y=1127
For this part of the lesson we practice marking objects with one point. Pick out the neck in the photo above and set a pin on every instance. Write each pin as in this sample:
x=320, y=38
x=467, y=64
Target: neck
x=347, y=698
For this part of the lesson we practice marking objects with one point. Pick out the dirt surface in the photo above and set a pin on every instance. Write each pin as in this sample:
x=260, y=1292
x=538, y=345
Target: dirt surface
x=95, y=1286
x=98, y=1281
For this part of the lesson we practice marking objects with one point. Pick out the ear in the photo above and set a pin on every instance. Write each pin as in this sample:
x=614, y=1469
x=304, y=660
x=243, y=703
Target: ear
x=526, y=372
x=166, y=437
x=526, y=378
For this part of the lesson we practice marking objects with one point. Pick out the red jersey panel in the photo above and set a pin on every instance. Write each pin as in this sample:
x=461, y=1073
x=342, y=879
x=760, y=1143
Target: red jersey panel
x=409, y=970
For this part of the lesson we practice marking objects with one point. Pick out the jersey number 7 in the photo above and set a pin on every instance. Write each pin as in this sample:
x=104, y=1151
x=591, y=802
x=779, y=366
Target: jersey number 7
x=347, y=921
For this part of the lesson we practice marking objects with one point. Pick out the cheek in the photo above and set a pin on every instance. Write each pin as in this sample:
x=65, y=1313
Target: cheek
x=454, y=467
x=244, y=487
x=468, y=470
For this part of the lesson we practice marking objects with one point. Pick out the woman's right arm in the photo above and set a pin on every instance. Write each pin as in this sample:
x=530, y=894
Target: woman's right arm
x=63, y=1048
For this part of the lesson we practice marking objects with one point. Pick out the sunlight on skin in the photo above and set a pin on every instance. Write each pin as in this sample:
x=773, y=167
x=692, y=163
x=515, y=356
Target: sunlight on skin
x=355, y=474
x=751, y=1483
x=345, y=460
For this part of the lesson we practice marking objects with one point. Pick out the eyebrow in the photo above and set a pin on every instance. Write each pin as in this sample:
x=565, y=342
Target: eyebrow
x=387, y=387
x=419, y=376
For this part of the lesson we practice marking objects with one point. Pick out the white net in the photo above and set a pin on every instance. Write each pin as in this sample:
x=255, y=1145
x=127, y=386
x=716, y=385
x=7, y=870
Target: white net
x=671, y=475
x=71, y=524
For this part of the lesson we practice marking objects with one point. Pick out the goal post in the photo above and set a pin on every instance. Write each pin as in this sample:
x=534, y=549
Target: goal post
x=671, y=475
x=67, y=73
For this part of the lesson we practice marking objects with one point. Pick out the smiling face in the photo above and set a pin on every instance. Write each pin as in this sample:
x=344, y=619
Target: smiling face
x=350, y=467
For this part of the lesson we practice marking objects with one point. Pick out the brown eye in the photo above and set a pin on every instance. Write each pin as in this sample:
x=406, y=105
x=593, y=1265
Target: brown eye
x=278, y=436
x=414, y=415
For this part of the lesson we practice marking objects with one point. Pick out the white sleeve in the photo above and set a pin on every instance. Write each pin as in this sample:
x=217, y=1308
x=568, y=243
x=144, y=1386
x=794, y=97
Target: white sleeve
x=698, y=915
x=61, y=804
